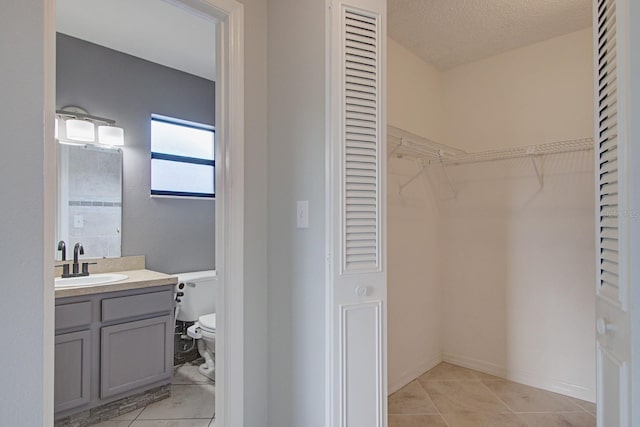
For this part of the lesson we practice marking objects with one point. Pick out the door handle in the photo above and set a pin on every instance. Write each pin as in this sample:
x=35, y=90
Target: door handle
x=362, y=291
x=603, y=326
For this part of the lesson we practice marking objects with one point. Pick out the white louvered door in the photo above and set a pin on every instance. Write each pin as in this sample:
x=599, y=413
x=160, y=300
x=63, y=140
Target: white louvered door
x=356, y=289
x=613, y=355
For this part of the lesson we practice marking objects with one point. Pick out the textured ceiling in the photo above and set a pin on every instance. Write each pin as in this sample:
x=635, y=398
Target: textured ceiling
x=448, y=33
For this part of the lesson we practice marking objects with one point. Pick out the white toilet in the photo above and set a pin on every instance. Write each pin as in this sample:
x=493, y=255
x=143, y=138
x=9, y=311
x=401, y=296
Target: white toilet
x=199, y=305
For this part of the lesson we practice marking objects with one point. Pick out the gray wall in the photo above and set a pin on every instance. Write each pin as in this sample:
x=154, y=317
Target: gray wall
x=296, y=171
x=255, y=208
x=176, y=235
x=26, y=245
x=634, y=206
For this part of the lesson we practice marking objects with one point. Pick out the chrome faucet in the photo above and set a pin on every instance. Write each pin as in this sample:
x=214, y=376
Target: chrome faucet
x=78, y=248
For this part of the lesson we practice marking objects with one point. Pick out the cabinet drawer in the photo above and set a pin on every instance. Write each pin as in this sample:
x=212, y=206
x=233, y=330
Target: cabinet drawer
x=73, y=315
x=136, y=305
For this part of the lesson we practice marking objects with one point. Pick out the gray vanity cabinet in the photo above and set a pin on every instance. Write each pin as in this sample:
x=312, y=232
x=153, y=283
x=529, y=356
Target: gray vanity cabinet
x=72, y=355
x=112, y=345
x=135, y=354
x=72, y=370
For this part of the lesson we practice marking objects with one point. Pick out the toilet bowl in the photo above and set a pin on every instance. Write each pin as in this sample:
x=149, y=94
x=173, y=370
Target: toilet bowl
x=198, y=305
x=204, y=331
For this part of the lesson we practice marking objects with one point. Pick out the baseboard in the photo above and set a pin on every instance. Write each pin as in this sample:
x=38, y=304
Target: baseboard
x=522, y=377
x=413, y=373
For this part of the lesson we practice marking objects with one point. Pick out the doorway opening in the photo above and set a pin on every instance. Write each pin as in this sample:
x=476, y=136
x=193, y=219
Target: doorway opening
x=491, y=212
x=217, y=27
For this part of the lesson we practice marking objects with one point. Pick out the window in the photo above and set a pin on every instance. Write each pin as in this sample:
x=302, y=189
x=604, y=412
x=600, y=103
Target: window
x=182, y=158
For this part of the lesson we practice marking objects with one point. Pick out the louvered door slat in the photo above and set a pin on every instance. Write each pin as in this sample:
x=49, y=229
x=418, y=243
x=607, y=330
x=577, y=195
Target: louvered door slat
x=609, y=166
x=609, y=200
x=360, y=96
x=609, y=266
x=607, y=154
x=608, y=84
x=609, y=177
x=607, y=81
x=609, y=114
x=606, y=21
x=611, y=256
x=608, y=144
x=361, y=142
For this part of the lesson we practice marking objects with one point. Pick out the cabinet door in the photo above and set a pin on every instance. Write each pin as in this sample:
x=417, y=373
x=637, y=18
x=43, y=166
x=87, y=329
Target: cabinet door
x=72, y=370
x=135, y=354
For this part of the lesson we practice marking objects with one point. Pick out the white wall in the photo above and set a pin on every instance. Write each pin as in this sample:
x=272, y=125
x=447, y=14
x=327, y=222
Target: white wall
x=515, y=266
x=415, y=104
x=296, y=171
x=538, y=93
x=27, y=186
x=415, y=94
x=517, y=272
x=413, y=285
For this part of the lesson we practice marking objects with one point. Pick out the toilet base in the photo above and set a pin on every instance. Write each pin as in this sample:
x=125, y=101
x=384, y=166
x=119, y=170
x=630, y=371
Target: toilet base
x=207, y=371
x=208, y=368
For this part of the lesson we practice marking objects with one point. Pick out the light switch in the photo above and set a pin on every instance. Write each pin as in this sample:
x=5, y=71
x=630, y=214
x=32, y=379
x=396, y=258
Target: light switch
x=78, y=221
x=302, y=214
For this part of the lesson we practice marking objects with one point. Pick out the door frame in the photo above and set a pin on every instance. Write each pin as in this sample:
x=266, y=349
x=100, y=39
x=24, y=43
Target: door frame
x=229, y=15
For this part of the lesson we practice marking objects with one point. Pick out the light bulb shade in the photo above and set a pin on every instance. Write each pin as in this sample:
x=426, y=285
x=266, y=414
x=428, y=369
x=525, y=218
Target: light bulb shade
x=80, y=130
x=56, y=124
x=110, y=135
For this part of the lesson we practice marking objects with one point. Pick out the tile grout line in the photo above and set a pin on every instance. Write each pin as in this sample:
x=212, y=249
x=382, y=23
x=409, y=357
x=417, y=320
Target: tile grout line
x=433, y=403
x=581, y=409
x=497, y=397
x=430, y=398
x=576, y=404
x=548, y=412
x=138, y=416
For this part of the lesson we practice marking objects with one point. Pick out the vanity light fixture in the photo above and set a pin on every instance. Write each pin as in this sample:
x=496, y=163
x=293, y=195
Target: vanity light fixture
x=110, y=135
x=74, y=125
x=80, y=130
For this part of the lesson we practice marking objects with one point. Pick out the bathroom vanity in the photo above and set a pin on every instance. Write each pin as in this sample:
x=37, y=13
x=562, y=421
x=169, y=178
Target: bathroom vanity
x=113, y=341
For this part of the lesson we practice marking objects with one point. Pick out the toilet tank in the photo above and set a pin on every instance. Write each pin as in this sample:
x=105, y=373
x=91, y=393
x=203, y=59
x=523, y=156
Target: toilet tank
x=199, y=298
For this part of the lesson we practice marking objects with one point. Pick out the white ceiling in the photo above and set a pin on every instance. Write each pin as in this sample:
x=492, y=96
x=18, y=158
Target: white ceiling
x=155, y=30
x=448, y=33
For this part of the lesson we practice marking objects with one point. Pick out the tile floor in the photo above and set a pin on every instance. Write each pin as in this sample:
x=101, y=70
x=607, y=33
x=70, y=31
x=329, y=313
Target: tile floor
x=191, y=404
x=452, y=396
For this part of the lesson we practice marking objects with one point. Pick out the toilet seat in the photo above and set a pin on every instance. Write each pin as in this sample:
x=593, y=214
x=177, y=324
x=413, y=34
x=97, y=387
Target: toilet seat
x=208, y=322
x=204, y=328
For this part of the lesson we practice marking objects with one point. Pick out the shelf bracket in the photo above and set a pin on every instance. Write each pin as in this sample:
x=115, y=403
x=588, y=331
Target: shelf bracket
x=423, y=167
x=446, y=175
x=400, y=144
x=531, y=152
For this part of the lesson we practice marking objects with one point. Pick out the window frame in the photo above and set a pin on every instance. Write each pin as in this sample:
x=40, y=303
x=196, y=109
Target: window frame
x=182, y=159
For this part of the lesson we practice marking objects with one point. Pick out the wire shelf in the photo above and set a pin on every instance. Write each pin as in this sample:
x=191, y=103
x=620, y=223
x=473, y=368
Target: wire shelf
x=405, y=145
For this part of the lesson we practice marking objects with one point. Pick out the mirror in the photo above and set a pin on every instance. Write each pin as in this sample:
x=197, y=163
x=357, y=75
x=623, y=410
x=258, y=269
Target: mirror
x=90, y=199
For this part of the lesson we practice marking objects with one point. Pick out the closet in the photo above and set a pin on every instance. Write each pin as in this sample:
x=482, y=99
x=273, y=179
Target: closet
x=491, y=216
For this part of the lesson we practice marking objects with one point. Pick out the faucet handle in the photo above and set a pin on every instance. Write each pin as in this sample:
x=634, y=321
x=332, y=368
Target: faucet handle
x=65, y=268
x=85, y=267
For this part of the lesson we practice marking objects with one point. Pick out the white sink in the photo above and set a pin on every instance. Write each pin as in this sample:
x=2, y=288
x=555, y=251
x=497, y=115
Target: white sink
x=94, y=279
